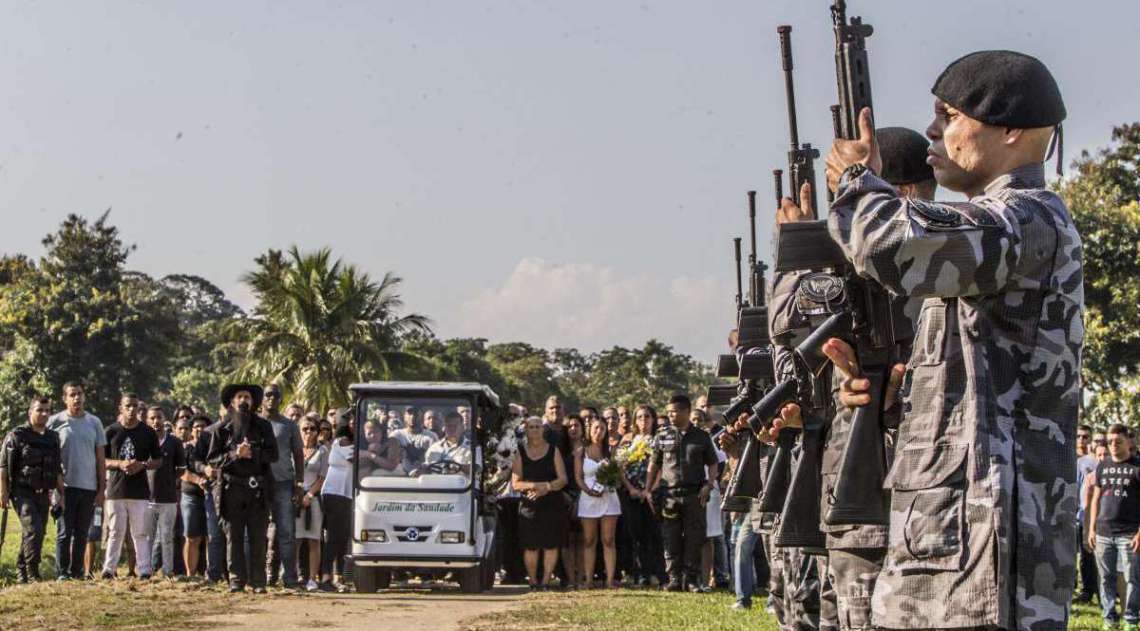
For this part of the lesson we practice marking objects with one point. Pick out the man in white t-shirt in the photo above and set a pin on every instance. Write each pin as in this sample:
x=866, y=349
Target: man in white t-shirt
x=414, y=439
x=453, y=447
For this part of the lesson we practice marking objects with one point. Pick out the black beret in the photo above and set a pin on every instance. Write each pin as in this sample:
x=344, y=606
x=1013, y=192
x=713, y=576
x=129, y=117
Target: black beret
x=904, y=155
x=1003, y=88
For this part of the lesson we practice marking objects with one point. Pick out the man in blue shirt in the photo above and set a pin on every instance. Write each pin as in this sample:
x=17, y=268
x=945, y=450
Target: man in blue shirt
x=82, y=440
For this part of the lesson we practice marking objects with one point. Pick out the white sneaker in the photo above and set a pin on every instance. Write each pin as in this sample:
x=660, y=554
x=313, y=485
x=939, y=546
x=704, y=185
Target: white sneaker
x=311, y=586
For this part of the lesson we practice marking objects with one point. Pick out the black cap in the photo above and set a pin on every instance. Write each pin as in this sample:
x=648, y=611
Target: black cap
x=1003, y=88
x=904, y=155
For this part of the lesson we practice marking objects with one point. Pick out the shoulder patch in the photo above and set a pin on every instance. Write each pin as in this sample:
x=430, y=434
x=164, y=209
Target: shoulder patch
x=939, y=215
x=820, y=293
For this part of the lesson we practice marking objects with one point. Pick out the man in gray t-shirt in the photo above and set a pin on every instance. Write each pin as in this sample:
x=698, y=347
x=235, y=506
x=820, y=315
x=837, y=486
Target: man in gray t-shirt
x=287, y=432
x=82, y=440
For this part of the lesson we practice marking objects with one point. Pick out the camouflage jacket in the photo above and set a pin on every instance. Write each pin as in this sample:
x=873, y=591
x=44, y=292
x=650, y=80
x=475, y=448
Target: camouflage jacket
x=983, y=502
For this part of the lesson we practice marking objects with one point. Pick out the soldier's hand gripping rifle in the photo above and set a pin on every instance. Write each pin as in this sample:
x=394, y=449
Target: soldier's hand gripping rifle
x=857, y=498
x=795, y=491
x=755, y=375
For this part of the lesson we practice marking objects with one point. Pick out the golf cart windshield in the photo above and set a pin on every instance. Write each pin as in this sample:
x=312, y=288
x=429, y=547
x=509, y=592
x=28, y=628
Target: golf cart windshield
x=414, y=443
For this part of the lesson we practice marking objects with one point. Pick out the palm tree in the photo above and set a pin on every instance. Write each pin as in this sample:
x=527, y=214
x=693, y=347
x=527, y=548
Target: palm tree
x=320, y=325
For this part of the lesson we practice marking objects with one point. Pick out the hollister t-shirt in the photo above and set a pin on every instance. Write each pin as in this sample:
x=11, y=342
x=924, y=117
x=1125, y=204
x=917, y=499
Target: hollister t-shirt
x=1118, y=512
x=137, y=443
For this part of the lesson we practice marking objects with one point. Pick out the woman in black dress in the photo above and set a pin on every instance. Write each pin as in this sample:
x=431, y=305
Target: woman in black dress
x=538, y=474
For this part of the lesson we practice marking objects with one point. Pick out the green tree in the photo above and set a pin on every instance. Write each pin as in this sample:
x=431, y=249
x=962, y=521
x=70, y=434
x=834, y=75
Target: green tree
x=1102, y=197
x=78, y=315
x=320, y=325
x=527, y=371
x=650, y=374
x=572, y=375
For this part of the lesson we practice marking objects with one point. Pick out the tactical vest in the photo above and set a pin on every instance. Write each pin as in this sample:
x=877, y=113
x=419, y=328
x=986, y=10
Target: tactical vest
x=39, y=463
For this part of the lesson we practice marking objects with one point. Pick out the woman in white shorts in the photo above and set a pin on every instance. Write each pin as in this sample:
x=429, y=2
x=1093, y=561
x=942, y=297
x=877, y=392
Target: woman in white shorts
x=597, y=503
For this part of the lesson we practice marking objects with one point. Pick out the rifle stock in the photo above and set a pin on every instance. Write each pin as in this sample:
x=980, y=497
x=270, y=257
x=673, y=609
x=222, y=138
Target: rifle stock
x=799, y=519
x=779, y=472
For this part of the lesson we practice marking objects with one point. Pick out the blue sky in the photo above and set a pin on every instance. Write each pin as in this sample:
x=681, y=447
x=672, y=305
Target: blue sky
x=562, y=173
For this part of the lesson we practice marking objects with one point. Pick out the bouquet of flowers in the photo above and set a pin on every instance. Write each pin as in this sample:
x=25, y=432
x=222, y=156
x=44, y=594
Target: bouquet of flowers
x=634, y=454
x=609, y=474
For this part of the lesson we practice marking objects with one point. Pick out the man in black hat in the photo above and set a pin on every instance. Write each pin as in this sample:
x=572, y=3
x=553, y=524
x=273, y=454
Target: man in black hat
x=984, y=479
x=242, y=447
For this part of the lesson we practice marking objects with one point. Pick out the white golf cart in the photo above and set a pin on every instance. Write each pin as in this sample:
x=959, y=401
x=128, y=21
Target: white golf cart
x=429, y=514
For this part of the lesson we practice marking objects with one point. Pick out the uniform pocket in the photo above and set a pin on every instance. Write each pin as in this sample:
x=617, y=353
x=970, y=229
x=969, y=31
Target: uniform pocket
x=930, y=334
x=928, y=507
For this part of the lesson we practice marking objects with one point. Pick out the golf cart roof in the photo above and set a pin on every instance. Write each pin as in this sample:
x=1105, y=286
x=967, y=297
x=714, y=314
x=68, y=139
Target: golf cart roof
x=485, y=394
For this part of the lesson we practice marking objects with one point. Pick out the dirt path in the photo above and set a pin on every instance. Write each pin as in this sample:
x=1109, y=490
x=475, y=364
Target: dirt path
x=439, y=609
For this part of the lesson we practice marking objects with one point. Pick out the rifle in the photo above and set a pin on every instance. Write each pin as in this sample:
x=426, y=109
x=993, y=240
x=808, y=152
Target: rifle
x=800, y=157
x=3, y=527
x=755, y=373
x=868, y=322
x=862, y=467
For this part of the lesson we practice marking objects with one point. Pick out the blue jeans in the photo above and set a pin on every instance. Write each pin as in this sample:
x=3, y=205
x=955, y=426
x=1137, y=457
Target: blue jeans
x=72, y=527
x=284, y=523
x=744, y=571
x=215, y=542
x=1111, y=553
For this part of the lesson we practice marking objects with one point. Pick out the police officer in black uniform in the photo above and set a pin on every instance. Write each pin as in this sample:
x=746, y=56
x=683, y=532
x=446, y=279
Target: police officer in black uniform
x=241, y=447
x=30, y=468
x=681, y=474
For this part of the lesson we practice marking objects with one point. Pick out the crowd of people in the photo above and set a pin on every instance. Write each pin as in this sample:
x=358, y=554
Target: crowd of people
x=256, y=500
x=259, y=496
x=626, y=497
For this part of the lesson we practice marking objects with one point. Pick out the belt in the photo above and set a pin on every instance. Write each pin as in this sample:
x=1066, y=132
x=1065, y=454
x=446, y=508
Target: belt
x=682, y=491
x=253, y=481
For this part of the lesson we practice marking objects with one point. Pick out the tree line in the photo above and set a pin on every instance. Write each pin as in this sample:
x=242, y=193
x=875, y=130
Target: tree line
x=319, y=323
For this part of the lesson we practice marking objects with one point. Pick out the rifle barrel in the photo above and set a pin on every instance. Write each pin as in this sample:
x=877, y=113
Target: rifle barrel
x=785, y=33
x=739, y=282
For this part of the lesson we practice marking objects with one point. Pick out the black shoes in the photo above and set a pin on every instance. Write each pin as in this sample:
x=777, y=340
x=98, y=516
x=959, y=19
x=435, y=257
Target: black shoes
x=672, y=587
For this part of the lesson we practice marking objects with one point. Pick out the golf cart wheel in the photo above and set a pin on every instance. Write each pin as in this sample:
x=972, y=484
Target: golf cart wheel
x=365, y=579
x=471, y=579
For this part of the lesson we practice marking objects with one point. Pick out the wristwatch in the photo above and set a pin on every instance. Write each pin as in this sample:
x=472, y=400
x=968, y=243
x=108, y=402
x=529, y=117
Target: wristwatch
x=852, y=172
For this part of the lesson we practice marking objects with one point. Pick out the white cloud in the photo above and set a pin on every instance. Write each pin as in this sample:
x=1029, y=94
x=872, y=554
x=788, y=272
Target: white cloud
x=590, y=307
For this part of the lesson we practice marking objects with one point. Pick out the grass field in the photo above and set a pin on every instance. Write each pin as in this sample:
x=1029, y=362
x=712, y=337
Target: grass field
x=656, y=611
x=155, y=604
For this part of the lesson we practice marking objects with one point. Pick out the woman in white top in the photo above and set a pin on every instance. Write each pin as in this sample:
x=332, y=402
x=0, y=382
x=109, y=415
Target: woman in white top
x=307, y=531
x=597, y=503
x=336, y=502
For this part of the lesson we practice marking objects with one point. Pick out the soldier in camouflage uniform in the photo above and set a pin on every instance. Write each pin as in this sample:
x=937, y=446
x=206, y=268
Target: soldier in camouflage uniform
x=983, y=484
x=808, y=598
x=855, y=552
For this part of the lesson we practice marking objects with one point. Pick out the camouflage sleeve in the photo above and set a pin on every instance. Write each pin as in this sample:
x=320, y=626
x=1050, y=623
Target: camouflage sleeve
x=782, y=320
x=782, y=323
x=8, y=452
x=919, y=248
